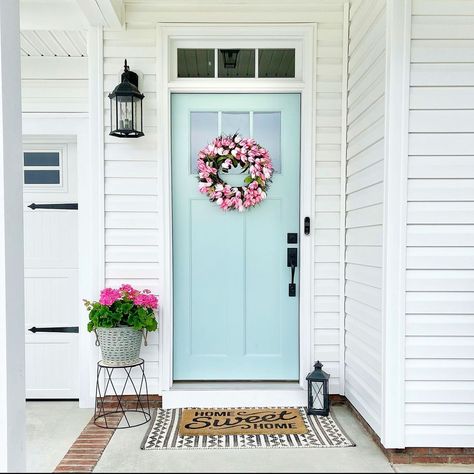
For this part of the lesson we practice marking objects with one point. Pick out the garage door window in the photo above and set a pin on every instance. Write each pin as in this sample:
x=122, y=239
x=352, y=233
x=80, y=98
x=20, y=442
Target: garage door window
x=42, y=168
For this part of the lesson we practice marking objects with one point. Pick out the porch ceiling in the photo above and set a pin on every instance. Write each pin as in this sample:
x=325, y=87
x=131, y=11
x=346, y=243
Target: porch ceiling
x=53, y=43
x=52, y=28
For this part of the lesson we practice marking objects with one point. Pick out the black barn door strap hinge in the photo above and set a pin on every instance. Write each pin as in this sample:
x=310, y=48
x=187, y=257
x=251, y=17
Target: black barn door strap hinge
x=66, y=206
x=70, y=329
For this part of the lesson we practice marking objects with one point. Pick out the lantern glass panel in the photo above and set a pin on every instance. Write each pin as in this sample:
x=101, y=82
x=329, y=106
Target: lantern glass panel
x=113, y=113
x=317, y=390
x=125, y=112
x=137, y=114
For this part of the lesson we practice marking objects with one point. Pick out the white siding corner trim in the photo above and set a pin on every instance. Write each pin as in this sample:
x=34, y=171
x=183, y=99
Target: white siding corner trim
x=342, y=224
x=394, y=223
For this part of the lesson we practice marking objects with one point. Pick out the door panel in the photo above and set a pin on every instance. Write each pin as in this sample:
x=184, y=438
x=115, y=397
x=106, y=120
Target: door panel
x=233, y=317
x=51, y=272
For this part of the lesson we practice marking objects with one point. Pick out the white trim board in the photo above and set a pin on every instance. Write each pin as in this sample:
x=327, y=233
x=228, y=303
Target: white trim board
x=397, y=88
x=306, y=34
x=342, y=225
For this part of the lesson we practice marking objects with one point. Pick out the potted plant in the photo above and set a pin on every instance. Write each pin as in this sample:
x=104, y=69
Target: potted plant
x=120, y=319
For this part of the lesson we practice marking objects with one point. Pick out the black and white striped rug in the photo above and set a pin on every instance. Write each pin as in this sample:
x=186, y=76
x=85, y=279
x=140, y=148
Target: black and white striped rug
x=323, y=432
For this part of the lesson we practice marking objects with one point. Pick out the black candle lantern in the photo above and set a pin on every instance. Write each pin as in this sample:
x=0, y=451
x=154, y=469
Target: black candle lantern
x=126, y=110
x=318, y=391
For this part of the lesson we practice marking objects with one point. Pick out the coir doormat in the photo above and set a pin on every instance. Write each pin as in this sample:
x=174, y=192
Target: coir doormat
x=241, y=422
x=275, y=428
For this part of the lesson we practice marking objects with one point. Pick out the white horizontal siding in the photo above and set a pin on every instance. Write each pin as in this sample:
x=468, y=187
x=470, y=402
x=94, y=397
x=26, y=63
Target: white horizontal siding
x=364, y=208
x=54, y=84
x=326, y=220
x=131, y=181
x=440, y=234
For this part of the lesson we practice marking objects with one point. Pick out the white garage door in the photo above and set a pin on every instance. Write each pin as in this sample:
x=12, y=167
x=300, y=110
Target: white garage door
x=51, y=299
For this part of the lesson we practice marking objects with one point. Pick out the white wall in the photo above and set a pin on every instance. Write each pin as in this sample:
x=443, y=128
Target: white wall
x=440, y=252
x=54, y=84
x=364, y=208
x=131, y=184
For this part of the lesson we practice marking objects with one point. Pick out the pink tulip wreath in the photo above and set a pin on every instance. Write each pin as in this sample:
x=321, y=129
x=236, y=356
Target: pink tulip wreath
x=232, y=151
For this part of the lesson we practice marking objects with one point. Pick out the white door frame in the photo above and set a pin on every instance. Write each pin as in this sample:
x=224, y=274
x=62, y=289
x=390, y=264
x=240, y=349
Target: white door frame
x=76, y=126
x=199, y=33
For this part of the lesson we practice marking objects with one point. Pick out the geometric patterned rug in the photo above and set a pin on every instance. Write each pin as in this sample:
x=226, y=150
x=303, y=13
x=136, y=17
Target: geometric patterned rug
x=323, y=432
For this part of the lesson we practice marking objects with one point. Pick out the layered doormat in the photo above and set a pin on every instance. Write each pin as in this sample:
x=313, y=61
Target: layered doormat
x=242, y=428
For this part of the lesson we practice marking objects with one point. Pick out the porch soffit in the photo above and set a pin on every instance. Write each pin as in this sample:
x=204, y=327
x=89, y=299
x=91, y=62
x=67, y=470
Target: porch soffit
x=53, y=43
x=52, y=28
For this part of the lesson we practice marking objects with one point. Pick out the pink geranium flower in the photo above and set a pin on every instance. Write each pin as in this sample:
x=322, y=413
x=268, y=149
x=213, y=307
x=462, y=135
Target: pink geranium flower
x=108, y=296
x=147, y=300
x=128, y=291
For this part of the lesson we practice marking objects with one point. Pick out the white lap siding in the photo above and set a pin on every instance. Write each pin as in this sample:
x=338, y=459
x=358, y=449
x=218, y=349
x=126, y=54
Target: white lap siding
x=131, y=183
x=440, y=253
x=326, y=219
x=132, y=190
x=54, y=84
x=364, y=208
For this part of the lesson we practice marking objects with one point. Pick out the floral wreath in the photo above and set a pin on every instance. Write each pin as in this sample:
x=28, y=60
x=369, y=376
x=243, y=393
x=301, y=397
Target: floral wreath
x=231, y=151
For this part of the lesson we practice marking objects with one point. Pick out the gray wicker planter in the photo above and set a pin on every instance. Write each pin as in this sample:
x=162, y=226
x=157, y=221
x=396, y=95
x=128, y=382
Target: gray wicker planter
x=119, y=346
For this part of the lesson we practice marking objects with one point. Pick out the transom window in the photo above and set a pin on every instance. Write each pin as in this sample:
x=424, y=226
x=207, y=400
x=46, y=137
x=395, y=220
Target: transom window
x=42, y=168
x=237, y=63
x=254, y=63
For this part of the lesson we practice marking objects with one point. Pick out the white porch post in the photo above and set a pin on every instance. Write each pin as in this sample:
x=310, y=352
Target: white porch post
x=12, y=326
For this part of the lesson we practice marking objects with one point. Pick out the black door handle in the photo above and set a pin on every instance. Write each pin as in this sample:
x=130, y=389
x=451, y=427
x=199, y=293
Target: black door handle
x=70, y=329
x=292, y=262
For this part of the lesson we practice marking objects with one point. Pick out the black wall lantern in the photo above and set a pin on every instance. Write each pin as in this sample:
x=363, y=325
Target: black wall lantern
x=230, y=58
x=126, y=110
x=318, y=391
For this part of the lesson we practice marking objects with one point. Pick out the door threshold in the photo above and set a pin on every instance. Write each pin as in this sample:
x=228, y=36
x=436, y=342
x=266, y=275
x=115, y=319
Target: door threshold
x=233, y=394
x=235, y=385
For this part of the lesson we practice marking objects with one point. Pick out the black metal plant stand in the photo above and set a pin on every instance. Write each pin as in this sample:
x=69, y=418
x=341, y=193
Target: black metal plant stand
x=129, y=406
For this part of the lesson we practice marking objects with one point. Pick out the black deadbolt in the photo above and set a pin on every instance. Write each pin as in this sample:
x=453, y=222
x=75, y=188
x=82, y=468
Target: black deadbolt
x=292, y=238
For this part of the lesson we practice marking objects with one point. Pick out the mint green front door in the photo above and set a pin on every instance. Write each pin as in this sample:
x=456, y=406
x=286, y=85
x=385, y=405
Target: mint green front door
x=233, y=316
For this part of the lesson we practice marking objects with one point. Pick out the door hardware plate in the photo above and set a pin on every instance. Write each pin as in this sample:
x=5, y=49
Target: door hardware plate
x=292, y=238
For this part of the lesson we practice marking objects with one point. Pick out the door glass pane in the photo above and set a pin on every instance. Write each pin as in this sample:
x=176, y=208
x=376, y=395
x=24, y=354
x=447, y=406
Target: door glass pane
x=267, y=132
x=42, y=177
x=236, y=62
x=204, y=127
x=233, y=122
x=41, y=158
x=195, y=62
x=276, y=63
